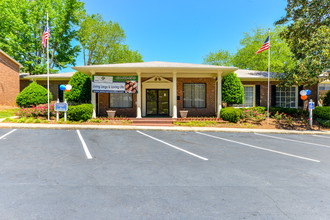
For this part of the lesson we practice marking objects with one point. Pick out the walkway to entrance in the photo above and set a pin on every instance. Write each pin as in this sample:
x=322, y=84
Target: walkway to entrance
x=148, y=121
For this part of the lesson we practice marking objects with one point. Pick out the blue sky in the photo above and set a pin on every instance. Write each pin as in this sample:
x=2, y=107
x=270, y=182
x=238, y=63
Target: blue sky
x=185, y=31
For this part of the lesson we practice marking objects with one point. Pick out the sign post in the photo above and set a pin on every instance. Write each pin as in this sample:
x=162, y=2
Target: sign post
x=311, y=107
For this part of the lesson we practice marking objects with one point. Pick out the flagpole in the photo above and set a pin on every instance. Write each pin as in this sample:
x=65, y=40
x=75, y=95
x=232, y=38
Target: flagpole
x=48, y=70
x=268, y=80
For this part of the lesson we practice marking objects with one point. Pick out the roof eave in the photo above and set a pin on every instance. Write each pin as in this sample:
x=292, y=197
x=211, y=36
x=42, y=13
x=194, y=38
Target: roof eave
x=12, y=59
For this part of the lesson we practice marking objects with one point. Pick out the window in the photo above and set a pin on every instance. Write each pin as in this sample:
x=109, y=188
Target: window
x=248, y=97
x=194, y=95
x=324, y=87
x=121, y=100
x=286, y=97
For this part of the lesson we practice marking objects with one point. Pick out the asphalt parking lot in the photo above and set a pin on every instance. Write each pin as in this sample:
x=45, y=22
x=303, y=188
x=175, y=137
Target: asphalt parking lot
x=112, y=174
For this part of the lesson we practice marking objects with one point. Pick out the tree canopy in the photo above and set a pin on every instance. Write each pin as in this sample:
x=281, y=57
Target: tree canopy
x=246, y=58
x=220, y=58
x=22, y=24
x=308, y=36
x=103, y=42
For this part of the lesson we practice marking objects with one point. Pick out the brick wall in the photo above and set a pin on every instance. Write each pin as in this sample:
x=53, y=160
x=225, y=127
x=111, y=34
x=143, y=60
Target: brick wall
x=9, y=81
x=264, y=91
x=104, y=104
x=210, y=97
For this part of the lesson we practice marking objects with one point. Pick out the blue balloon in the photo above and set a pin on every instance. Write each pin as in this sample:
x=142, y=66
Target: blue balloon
x=62, y=87
x=308, y=91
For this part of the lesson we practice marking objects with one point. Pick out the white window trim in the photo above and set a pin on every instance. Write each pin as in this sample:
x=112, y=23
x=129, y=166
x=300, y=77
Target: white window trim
x=254, y=97
x=296, y=101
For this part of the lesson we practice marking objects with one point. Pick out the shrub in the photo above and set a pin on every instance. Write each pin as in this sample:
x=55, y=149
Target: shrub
x=289, y=111
x=80, y=112
x=96, y=120
x=326, y=99
x=33, y=95
x=259, y=109
x=22, y=120
x=322, y=112
x=253, y=114
x=324, y=122
x=81, y=88
x=231, y=114
x=283, y=117
x=38, y=111
x=232, y=89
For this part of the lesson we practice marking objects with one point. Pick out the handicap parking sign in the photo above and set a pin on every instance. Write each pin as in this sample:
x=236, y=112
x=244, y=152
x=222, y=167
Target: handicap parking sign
x=311, y=105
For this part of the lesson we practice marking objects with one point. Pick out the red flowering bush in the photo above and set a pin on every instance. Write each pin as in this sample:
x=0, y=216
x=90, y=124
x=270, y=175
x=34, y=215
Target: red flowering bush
x=37, y=111
x=253, y=114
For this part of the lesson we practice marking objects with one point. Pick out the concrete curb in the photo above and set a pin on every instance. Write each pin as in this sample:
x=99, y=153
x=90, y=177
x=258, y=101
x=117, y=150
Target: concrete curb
x=159, y=128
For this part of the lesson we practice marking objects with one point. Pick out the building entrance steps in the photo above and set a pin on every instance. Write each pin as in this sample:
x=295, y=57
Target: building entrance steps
x=148, y=121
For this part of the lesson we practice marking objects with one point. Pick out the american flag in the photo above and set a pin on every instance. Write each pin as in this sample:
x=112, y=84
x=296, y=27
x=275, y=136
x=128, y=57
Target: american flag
x=265, y=46
x=46, y=35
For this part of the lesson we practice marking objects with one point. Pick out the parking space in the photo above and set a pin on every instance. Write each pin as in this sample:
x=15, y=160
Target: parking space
x=162, y=174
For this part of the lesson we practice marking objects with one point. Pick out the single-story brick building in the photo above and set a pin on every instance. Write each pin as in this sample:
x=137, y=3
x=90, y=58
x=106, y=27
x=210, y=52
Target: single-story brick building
x=163, y=88
x=9, y=79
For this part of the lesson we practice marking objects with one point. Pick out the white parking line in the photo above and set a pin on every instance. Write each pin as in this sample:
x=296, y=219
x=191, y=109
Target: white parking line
x=260, y=148
x=287, y=139
x=7, y=134
x=195, y=155
x=88, y=154
x=324, y=136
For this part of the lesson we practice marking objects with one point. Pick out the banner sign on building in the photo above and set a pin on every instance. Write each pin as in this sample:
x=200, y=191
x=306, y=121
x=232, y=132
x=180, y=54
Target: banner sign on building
x=115, y=84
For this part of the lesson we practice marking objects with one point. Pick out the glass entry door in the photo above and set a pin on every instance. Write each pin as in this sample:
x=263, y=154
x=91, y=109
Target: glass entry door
x=158, y=102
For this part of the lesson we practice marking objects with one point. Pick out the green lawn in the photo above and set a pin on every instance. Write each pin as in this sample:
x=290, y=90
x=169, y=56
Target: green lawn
x=5, y=113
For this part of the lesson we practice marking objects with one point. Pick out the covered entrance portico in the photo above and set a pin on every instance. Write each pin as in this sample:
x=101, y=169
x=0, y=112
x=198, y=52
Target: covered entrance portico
x=163, y=89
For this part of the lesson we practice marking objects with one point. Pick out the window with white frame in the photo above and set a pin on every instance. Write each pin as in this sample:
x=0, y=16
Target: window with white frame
x=248, y=97
x=194, y=95
x=286, y=97
x=324, y=87
x=121, y=100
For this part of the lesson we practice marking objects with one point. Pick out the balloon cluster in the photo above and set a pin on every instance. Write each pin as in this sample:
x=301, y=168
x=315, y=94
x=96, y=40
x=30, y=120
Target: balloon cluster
x=304, y=94
x=66, y=88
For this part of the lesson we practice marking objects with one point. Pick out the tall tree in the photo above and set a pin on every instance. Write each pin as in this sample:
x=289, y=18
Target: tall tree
x=220, y=58
x=281, y=56
x=22, y=24
x=308, y=36
x=103, y=42
x=245, y=57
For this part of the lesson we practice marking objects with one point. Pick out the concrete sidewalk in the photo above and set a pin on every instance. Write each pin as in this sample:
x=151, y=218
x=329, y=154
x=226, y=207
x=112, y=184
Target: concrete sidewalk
x=159, y=128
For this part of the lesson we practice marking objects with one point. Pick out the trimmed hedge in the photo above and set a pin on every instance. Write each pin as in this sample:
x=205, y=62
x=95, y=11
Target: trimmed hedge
x=322, y=112
x=80, y=112
x=324, y=122
x=231, y=114
x=232, y=89
x=33, y=95
x=289, y=111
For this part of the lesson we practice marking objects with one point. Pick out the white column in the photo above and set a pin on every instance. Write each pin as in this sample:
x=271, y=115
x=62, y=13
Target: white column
x=139, y=97
x=94, y=104
x=93, y=96
x=219, y=94
x=174, y=96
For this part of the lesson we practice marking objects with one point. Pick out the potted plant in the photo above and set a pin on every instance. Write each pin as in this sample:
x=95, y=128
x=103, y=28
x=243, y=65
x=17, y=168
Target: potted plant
x=111, y=113
x=183, y=113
